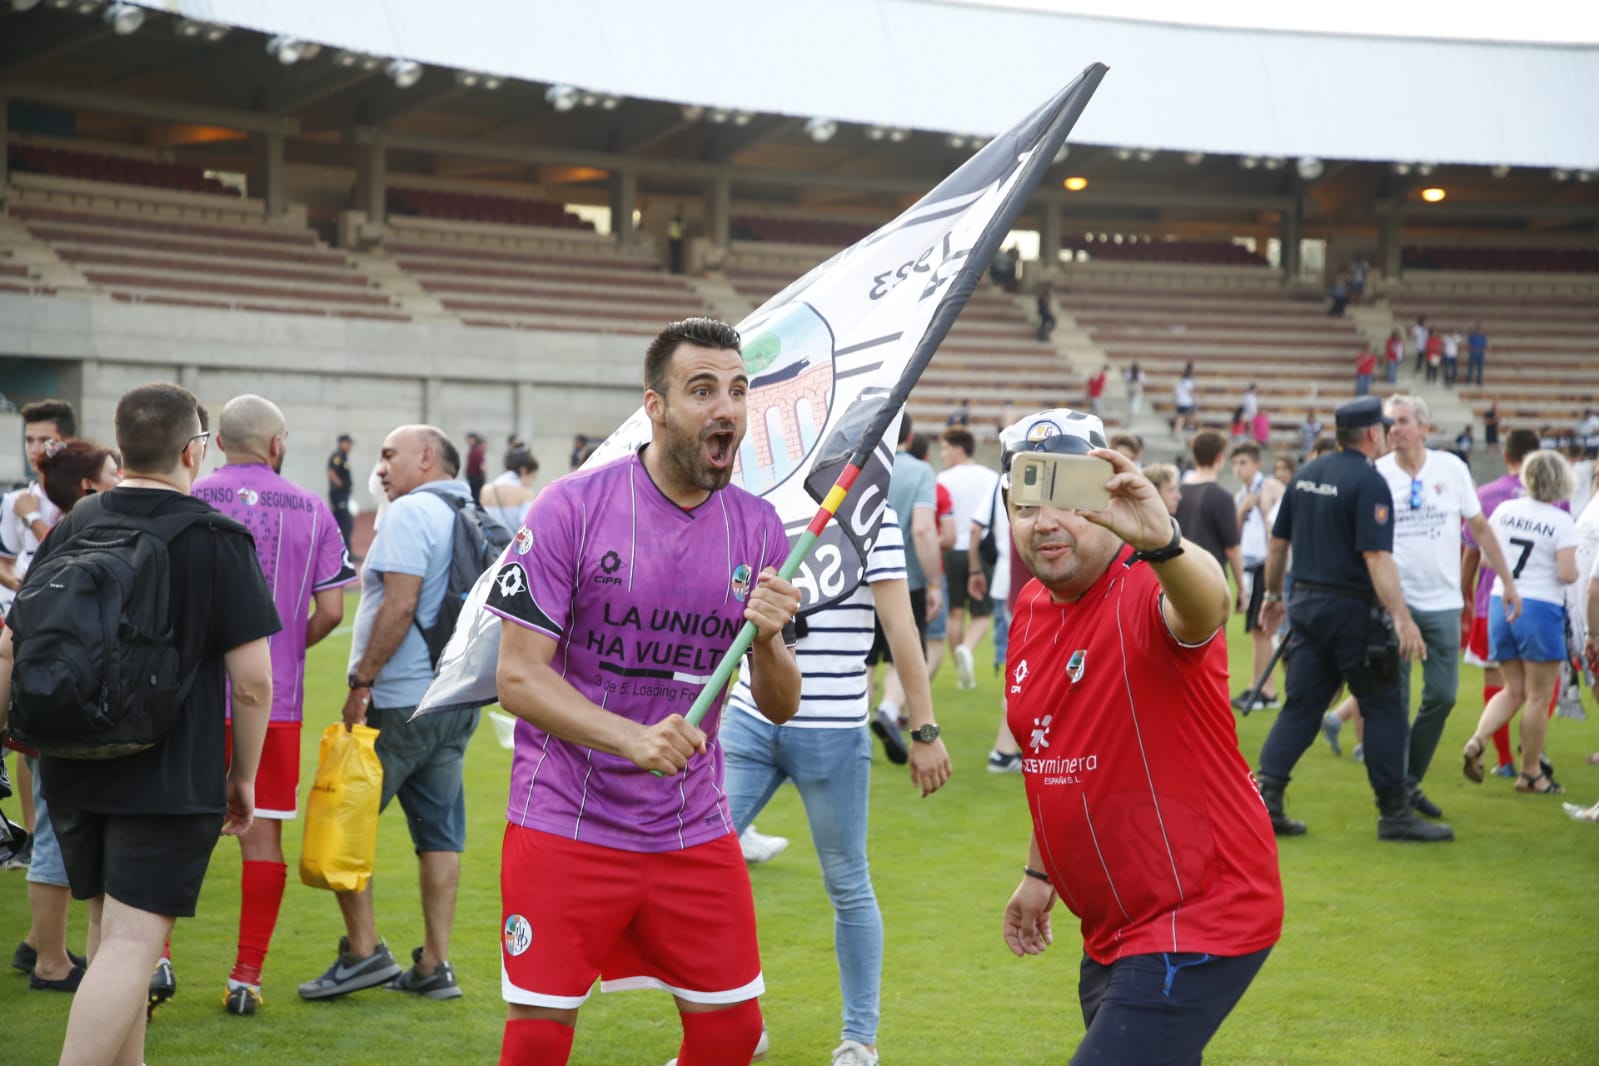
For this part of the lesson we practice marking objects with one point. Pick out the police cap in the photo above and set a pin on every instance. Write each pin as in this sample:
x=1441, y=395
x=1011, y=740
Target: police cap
x=1356, y=414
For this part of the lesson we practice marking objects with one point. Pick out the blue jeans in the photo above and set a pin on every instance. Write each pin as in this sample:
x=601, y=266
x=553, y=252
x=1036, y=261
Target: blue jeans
x=938, y=628
x=47, y=867
x=1001, y=631
x=832, y=768
x=1362, y=384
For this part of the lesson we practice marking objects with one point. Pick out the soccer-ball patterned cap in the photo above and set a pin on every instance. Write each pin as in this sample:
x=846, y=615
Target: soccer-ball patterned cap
x=1060, y=430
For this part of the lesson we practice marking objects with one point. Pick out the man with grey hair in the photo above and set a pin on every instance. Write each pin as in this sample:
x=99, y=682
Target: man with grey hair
x=303, y=559
x=402, y=590
x=1433, y=493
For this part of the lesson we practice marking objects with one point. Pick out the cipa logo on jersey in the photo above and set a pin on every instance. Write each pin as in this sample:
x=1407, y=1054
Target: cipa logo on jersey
x=1018, y=676
x=740, y=581
x=610, y=563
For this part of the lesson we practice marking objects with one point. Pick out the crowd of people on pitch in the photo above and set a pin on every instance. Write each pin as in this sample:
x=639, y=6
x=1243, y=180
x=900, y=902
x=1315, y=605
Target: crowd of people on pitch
x=623, y=810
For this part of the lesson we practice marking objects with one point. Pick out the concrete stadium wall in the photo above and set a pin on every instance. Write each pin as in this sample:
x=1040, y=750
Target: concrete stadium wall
x=335, y=376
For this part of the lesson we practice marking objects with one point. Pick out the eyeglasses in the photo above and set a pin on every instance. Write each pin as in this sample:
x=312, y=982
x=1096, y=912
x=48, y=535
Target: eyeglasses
x=1415, y=493
x=204, y=437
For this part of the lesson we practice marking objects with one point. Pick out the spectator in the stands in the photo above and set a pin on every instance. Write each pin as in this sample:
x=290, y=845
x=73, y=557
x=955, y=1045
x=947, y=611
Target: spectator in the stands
x=1185, y=396
x=1260, y=427
x=1490, y=425
x=1003, y=268
x=1135, y=391
x=1365, y=370
x=1340, y=295
x=962, y=415
x=1476, y=353
x=1463, y=444
x=1240, y=426
x=1393, y=355
x=674, y=241
x=476, y=460
x=1309, y=430
x=1589, y=426
x=1249, y=403
x=1046, y=313
x=1418, y=341
x=1357, y=279
x=1096, y=390
x=1435, y=355
x=579, y=442
x=1451, y=347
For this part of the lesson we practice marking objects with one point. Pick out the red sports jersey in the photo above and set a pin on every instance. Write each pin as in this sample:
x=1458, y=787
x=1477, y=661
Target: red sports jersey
x=1150, y=823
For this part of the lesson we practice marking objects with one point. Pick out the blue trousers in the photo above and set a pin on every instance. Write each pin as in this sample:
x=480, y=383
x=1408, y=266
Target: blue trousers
x=1329, y=637
x=1158, y=1010
x=832, y=768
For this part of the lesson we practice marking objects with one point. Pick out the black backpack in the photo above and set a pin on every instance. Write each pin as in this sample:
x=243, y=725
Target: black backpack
x=477, y=542
x=96, y=672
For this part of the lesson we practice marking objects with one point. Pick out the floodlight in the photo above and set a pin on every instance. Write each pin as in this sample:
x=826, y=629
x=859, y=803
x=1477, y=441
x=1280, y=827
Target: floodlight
x=404, y=72
x=287, y=50
x=610, y=102
x=1249, y=162
x=1273, y=162
x=1145, y=154
x=875, y=133
x=562, y=97
x=1124, y=154
x=1193, y=159
x=1423, y=169
x=1585, y=175
x=1560, y=174
x=86, y=7
x=898, y=135
x=955, y=140
x=719, y=115
x=466, y=79
x=821, y=130
x=490, y=82
x=1310, y=168
x=692, y=112
x=1500, y=171
x=23, y=5
x=743, y=118
x=1401, y=169
x=124, y=18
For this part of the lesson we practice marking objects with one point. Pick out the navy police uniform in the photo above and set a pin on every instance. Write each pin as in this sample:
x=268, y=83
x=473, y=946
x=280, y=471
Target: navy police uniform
x=339, y=487
x=1337, y=508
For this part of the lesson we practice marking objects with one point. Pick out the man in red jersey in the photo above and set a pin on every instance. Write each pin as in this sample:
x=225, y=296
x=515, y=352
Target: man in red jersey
x=1146, y=819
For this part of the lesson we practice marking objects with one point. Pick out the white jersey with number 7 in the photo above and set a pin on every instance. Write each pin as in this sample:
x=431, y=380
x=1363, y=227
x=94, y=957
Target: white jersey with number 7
x=1531, y=533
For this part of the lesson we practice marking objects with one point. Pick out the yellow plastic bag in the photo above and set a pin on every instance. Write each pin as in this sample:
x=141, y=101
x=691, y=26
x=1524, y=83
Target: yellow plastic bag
x=341, y=816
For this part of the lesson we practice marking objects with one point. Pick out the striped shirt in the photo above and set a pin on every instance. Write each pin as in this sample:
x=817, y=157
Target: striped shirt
x=833, y=645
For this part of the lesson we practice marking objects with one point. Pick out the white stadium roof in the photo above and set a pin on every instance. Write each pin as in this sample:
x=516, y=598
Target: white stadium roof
x=950, y=67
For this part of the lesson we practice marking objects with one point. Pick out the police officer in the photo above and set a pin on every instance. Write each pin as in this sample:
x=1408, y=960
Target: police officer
x=1348, y=621
x=340, y=482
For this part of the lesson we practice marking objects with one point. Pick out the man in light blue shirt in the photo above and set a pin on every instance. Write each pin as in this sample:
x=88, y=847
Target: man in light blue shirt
x=402, y=586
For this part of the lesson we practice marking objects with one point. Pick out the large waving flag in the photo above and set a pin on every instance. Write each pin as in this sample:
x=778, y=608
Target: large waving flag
x=831, y=361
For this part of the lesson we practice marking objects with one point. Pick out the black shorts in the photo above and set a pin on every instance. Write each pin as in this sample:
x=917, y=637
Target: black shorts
x=957, y=570
x=1255, y=578
x=881, y=652
x=153, y=862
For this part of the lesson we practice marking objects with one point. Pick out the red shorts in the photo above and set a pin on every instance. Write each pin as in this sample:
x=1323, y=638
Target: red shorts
x=679, y=920
x=1478, y=644
x=277, y=782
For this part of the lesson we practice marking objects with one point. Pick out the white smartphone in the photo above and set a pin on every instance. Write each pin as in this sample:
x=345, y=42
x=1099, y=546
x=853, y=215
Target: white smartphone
x=1050, y=479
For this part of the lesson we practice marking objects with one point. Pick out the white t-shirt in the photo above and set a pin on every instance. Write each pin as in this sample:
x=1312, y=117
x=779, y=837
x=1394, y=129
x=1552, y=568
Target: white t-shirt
x=1587, y=568
x=1531, y=533
x=1250, y=403
x=969, y=485
x=994, y=514
x=1183, y=392
x=1582, y=491
x=1252, y=536
x=16, y=534
x=1427, y=537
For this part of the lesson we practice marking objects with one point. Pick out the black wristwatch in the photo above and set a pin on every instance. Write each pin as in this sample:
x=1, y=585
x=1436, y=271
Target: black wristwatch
x=355, y=681
x=1172, y=550
x=926, y=734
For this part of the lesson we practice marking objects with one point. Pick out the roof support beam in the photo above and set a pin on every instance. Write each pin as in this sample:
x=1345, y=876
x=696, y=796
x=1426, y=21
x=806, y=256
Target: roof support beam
x=143, y=107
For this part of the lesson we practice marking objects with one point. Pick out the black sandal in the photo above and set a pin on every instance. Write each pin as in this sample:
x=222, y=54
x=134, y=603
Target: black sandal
x=1529, y=783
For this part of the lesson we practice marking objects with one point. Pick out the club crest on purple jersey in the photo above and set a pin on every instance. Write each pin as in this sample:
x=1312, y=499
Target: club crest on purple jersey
x=741, y=581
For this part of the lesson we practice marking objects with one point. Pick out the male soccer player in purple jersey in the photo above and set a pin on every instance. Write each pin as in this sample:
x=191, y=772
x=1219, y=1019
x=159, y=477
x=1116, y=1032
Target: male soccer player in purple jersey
x=304, y=561
x=620, y=595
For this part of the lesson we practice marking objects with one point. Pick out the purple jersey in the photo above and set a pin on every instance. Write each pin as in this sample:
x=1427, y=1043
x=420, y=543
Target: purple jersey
x=1491, y=494
x=642, y=598
x=301, y=552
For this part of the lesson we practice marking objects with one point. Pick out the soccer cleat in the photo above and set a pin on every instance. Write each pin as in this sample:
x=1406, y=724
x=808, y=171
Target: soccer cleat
x=1506, y=770
x=1359, y=754
x=759, y=848
x=886, y=725
x=351, y=974
x=761, y=1048
x=1331, y=726
x=241, y=998
x=1004, y=764
x=440, y=984
x=965, y=676
x=163, y=986
x=21, y=860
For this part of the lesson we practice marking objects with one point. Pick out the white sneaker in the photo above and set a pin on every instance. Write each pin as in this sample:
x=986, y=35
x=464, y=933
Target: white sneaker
x=964, y=675
x=851, y=1053
x=761, y=1049
x=759, y=848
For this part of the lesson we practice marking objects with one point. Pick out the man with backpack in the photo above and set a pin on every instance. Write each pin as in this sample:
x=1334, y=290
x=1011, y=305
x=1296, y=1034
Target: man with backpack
x=136, y=606
x=407, y=591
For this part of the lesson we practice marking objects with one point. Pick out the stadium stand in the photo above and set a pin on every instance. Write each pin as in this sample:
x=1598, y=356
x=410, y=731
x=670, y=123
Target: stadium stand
x=115, y=169
x=824, y=233
x=512, y=276
x=1282, y=341
x=481, y=207
x=1202, y=253
x=1502, y=260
